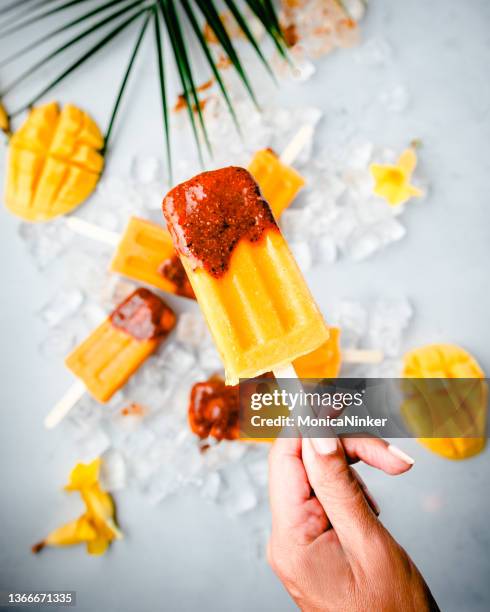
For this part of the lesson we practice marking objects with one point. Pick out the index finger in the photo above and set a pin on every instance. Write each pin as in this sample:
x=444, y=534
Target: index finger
x=292, y=506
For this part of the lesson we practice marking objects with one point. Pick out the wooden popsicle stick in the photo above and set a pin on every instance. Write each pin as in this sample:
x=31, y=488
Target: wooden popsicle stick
x=93, y=231
x=373, y=356
x=65, y=404
x=294, y=148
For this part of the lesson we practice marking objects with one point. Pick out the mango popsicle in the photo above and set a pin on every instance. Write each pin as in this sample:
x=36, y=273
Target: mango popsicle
x=114, y=350
x=279, y=183
x=256, y=303
x=146, y=253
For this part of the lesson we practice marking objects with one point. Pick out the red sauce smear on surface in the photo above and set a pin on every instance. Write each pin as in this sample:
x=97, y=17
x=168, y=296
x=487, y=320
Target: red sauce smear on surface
x=213, y=410
x=209, y=214
x=133, y=409
x=144, y=316
x=173, y=270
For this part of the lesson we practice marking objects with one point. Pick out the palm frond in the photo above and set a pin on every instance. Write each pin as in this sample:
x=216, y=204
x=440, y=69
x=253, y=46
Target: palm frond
x=125, y=80
x=93, y=28
x=48, y=13
x=163, y=91
x=28, y=10
x=207, y=53
x=172, y=20
x=101, y=43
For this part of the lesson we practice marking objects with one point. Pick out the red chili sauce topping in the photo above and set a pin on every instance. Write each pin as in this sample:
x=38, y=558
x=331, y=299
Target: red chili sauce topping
x=173, y=270
x=144, y=316
x=213, y=410
x=210, y=213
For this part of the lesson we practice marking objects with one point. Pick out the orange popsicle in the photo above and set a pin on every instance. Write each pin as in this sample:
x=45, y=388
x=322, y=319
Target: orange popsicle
x=254, y=298
x=146, y=253
x=278, y=182
x=115, y=349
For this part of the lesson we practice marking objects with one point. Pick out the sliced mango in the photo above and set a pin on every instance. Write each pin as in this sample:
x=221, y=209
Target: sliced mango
x=457, y=409
x=54, y=162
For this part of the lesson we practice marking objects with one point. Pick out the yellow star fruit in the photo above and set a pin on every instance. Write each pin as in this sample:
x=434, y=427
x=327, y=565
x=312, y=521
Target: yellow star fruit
x=96, y=527
x=393, y=182
x=453, y=404
x=54, y=162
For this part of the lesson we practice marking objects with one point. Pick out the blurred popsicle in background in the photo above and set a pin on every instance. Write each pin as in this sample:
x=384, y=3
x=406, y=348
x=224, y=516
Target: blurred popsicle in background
x=115, y=349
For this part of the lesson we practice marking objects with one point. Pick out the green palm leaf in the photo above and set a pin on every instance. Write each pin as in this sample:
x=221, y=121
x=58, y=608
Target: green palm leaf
x=107, y=19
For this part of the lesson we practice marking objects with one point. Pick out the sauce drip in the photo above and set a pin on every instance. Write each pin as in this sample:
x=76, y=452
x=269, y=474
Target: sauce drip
x=144, y=316
x=213, y=410
x=209, y=214
x=173, y=270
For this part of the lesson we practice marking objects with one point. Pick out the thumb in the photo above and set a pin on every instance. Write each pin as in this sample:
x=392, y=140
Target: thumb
x=338, y=490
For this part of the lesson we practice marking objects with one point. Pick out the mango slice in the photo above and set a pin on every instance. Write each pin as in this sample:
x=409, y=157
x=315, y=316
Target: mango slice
x=457, y=409
x=54, y=162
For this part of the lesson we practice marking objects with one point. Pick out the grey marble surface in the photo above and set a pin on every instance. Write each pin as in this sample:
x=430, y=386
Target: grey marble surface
x=183, y=554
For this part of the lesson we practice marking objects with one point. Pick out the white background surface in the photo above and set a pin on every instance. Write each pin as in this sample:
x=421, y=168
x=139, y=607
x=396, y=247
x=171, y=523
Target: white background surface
x=185, y=555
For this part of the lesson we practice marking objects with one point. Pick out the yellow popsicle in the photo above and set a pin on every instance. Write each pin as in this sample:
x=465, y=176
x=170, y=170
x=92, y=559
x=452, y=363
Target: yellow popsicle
x=256, y=303
x=278, y=182
x=115, y=349
x=54, y=162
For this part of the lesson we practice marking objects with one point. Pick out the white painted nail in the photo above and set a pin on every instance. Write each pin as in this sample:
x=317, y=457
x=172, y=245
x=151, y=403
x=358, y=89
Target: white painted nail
x=397, y=452
x=324, y=446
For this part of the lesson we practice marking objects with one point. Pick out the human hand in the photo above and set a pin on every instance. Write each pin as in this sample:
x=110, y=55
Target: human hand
x=327, y=545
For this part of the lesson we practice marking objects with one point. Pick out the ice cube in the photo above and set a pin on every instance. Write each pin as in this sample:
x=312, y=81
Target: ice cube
x=162, y=485
x=359, y=154
x=240, y=496
x=302, y=254
x=296, y=223
x=259, y=471
x=58, y=343
x=374, y=52
x=362, y=246
x=113, y=471
x=211, y=486
x=209, y=360
x=327, y=250
x=115, y=291
x=84, y=416
x=191, y=329
x=45, y=241
x=128, y=422
x=93, y=444
x=388, y=321
x=139, y=441
x=65, y=303
x=395, y=98
x=145, y=169
x=352, y=319
x=390, y=230
x=93, y=315
x=176, y=358
x=152, y=195
x=356, y=9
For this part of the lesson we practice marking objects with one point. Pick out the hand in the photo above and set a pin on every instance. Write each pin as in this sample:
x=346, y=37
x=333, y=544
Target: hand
x=327, y=545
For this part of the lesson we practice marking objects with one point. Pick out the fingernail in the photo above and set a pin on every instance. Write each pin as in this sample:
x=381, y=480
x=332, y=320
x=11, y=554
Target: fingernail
x=324, y=446
x=397, y=452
